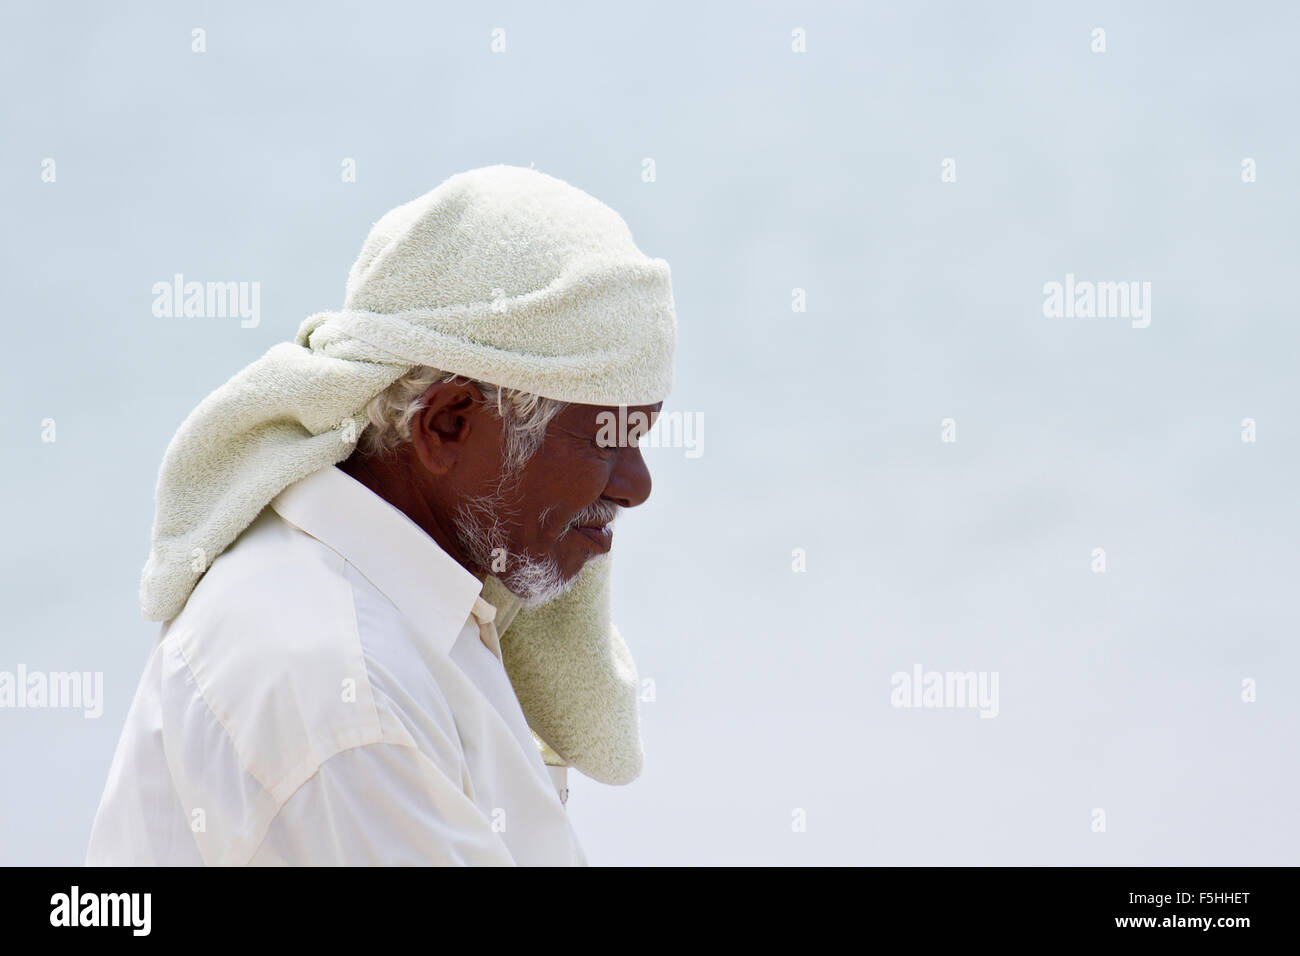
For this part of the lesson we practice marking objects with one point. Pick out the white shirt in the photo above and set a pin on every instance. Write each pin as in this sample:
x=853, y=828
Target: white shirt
x=328, y=697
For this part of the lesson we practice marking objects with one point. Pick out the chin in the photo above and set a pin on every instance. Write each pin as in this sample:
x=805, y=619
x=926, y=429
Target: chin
x=540, y=598
x=536, y=583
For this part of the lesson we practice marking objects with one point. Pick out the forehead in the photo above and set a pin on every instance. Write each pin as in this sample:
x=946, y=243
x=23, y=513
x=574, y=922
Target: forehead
x=590, y=417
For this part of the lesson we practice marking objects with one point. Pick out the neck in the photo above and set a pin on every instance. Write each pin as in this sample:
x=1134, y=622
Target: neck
x=392, y=478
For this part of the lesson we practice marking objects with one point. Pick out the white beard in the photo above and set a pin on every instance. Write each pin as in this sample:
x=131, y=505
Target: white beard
x=481, y=533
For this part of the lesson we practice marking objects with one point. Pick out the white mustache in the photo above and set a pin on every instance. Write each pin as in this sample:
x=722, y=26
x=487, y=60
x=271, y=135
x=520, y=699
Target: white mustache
x=600, y=513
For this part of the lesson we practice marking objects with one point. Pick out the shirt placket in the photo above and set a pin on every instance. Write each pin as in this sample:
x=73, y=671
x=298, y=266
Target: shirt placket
x=485, y=614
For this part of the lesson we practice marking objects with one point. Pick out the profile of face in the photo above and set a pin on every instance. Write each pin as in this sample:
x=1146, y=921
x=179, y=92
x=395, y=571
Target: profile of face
x=534, y=528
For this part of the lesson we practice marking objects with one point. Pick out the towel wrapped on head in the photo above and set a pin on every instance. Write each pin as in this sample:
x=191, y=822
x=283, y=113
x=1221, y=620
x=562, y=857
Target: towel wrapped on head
x=501, y=274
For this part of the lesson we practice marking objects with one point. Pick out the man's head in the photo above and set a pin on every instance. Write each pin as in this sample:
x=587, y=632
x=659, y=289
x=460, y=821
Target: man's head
x=502, y=273
x=508, y=483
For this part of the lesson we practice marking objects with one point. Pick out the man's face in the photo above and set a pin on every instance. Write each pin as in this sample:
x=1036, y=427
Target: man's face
x=536, y=529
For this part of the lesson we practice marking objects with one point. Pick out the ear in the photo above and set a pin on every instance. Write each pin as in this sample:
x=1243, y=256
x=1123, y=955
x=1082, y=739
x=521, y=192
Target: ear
x=440, y=429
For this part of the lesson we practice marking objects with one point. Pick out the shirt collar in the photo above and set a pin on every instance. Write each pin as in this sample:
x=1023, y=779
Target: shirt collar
x=424, y=582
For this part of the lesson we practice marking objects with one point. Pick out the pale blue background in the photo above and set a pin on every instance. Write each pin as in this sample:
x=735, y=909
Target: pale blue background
x=775, y=171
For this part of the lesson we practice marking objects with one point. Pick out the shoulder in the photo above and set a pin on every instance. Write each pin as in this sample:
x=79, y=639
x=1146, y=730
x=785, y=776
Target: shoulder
x=270, y=639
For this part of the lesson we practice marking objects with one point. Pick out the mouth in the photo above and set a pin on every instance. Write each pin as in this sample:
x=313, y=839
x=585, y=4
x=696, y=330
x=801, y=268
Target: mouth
x=600, y=537
x=593, y=525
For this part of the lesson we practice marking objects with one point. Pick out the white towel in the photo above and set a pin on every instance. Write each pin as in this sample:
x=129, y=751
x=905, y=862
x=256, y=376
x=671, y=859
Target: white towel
x=574, y=676
x=503, y=274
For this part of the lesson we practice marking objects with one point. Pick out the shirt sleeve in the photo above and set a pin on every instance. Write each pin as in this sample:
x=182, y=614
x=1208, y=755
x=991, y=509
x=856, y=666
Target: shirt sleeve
x=381, y=805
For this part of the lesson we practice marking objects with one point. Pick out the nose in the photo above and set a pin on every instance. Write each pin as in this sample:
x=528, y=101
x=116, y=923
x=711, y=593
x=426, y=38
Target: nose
x=629, y=481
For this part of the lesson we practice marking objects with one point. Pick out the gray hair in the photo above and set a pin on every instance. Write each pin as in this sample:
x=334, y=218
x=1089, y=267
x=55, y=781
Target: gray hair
x=524, y=416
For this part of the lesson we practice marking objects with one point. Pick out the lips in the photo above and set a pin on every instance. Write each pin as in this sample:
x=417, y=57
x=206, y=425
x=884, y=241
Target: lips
x=600, y=537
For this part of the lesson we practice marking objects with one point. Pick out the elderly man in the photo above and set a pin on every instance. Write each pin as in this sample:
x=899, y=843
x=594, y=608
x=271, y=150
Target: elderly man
x=381, y=555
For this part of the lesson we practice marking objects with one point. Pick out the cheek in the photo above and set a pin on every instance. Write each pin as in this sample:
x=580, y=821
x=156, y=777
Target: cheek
x=556, y=502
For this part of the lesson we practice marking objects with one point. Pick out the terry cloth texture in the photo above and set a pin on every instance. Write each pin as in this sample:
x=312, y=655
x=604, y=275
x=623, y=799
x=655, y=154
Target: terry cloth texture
x=502, y=274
